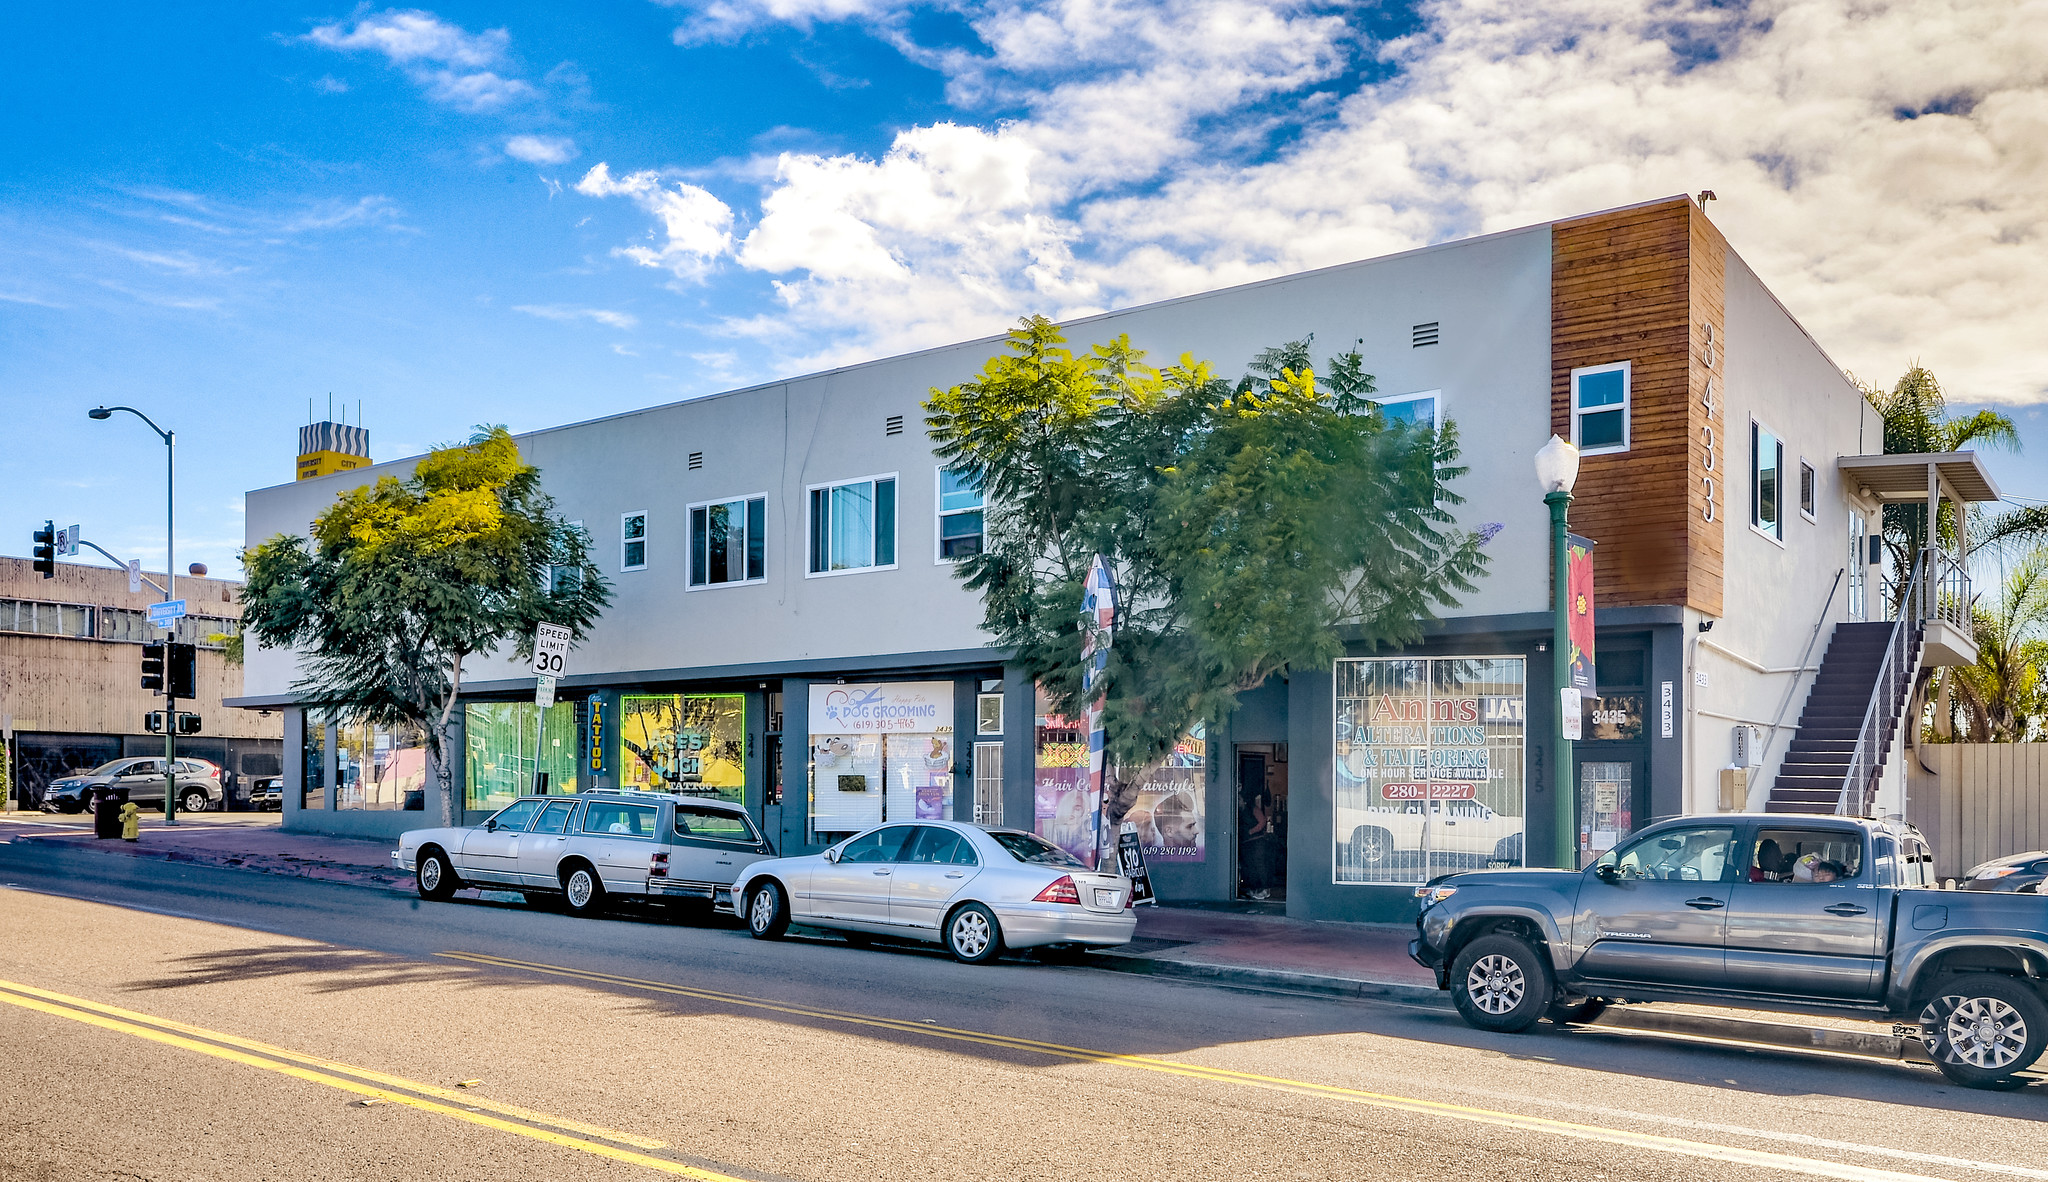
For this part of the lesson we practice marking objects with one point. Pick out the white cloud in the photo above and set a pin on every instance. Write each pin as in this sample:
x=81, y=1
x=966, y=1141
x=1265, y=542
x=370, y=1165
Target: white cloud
x=696, y=226
x=604, y=316
x=452, y=64
x=541, y=149
x=1883, y=164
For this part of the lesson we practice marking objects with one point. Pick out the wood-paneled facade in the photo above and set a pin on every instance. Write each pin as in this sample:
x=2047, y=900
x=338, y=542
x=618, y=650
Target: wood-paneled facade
x=1646, y=285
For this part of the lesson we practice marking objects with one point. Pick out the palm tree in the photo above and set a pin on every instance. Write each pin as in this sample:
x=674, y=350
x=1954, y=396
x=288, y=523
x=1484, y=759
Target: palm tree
x=2003, y=698
x=1916, y=419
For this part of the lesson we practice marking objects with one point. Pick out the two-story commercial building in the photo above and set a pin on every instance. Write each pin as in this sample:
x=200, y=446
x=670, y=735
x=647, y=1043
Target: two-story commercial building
x=787, y=629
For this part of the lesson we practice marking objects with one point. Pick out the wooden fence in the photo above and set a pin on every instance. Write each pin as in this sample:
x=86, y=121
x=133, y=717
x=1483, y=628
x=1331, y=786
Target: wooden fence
x=1981, y=801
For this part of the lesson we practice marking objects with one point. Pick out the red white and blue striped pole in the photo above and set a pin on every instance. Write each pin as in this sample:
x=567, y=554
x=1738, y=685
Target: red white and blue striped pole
x=1098, y=621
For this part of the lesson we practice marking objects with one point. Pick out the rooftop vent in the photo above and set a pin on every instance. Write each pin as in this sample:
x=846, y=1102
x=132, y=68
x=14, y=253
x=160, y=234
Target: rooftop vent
x=1422, y=334
x=893, y=425
x=696, y=460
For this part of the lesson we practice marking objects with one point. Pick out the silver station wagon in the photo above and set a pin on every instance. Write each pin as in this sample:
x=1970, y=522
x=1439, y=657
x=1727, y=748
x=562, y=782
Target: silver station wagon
x=586, y=848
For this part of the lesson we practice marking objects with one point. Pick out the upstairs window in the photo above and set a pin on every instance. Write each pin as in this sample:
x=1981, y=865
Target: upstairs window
x=1423, y=409
x=1600, y=406
x=728, y=542
x=633, y=540
x=960, y=519
x=853, y=525
x=1809, y=490
x=1766, y=482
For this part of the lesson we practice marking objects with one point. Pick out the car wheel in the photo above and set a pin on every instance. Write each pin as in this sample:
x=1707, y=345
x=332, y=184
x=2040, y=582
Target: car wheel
x=436, y=877
x=1370, y=845
x=1500, y=983
x=194, y=801
x=582, y=891
x=1574, y=1011
x=1983, y=1029
x=973, y=936
x=767, y=911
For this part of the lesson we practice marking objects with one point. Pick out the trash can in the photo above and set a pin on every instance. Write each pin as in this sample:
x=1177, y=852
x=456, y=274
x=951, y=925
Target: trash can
x=106, y=813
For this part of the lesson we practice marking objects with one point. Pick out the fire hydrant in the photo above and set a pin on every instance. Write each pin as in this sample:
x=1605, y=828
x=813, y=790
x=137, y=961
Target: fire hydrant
x=131, y=821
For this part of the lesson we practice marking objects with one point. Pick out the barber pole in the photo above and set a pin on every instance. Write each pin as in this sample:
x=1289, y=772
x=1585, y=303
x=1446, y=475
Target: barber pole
x=1098, y=619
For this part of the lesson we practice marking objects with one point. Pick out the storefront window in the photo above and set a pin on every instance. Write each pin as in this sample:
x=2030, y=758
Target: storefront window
x=690, y=743
x=1429, y=766
x=881, y=752
x=313, y=758
x=505, y=741
x=379, y=767
x=1170, y=810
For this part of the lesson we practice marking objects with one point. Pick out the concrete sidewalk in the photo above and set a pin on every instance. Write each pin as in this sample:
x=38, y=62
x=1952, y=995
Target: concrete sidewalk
x=1218, y=947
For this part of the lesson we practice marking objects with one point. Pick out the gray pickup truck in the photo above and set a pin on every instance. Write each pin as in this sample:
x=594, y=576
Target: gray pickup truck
x=1834, y=915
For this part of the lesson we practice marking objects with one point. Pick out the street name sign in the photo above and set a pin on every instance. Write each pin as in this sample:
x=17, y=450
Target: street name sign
x=550, y=650
x=165, y=614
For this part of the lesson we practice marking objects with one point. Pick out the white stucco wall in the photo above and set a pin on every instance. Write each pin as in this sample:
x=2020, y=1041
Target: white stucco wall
x=1491, y=297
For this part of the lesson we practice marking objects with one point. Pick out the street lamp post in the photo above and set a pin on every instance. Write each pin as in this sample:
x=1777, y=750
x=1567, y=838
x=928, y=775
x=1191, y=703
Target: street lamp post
x=170, y=439
x=1557, y=469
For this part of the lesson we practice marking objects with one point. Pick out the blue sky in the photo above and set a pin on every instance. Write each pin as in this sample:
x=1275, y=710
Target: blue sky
x=533, y=214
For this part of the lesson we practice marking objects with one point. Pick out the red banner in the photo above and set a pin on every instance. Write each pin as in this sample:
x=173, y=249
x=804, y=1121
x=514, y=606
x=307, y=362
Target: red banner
x=1579, y=609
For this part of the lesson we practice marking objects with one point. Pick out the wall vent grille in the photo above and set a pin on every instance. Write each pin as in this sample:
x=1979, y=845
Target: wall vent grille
x=696, y=460
x=1423, y=334
x=893, y=425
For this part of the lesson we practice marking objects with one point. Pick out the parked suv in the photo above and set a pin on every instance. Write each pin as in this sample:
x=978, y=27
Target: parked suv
x=1760, y=911
x=199, y=785
x=585, y=847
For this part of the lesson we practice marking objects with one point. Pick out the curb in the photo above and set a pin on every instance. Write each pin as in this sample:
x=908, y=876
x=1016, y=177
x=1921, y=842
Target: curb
x=348, y=874
x=1867, y=1044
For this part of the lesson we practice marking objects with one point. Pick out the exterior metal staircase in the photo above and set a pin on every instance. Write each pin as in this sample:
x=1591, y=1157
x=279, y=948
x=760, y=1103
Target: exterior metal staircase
x=1831, y=739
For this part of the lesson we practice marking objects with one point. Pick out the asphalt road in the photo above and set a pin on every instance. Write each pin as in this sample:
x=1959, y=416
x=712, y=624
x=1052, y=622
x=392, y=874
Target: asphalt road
x=176, y=1022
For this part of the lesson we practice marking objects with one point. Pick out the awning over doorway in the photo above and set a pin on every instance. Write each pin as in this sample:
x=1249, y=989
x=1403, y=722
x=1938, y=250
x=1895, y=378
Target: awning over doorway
x=1896, y=478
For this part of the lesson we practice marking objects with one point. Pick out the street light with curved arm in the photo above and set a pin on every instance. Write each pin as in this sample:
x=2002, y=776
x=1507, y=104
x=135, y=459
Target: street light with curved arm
x=170, y=439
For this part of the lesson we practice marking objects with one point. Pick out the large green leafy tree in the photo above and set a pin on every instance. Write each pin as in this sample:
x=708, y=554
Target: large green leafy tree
x=404, y=580
x=1252, y=527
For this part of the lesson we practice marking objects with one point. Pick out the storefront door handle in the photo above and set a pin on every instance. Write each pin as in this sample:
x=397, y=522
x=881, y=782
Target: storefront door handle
x=1704, y=904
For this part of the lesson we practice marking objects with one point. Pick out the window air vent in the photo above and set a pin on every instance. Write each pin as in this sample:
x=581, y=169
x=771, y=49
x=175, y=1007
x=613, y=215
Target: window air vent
x=893, y=425
x=696, y=460
x=1423, y=334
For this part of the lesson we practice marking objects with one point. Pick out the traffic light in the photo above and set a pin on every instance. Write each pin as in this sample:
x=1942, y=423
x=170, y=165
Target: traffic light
x=153, y=722
x=46, y=550
x=182, y=678
x=188, y=724
x=153, y=667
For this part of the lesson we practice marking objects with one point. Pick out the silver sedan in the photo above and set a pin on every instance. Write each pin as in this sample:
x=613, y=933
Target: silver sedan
x=977, y=891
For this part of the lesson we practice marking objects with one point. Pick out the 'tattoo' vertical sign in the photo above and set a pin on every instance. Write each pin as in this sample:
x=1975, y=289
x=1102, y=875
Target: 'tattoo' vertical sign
x=550, y=650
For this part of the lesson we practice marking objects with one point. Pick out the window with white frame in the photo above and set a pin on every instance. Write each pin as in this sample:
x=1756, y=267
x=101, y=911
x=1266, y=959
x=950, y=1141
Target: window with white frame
x=728, y=541
x=1600, y=407
x=960, y=519
x=1809, y=490
x=633, y=540
x=853, y=525
x=1423, y=408
x=1766, y=482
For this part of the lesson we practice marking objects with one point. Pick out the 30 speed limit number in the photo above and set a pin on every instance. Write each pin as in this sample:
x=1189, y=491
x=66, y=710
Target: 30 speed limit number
x=550, y=650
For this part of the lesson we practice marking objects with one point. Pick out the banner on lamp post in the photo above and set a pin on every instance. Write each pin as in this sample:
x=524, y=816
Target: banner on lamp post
x=1098, y=622
x=1579, y=611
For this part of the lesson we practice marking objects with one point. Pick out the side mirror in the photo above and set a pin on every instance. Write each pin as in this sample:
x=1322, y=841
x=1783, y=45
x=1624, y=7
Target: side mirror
x=1605, y=872
x=491, y=826
x=831, y=855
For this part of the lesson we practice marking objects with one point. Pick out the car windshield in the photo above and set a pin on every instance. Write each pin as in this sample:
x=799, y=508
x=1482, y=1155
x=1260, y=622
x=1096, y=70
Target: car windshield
x=1029, y=847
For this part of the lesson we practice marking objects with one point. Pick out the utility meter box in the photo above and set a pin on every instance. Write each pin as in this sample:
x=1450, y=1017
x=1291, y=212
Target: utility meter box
x=1734, y=788
x=1747, y=746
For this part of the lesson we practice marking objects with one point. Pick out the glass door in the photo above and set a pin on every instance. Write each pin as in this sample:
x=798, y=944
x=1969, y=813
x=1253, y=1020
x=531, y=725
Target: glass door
x=1608, y=808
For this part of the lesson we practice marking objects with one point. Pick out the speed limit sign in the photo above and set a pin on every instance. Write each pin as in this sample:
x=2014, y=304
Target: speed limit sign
x=550, y=650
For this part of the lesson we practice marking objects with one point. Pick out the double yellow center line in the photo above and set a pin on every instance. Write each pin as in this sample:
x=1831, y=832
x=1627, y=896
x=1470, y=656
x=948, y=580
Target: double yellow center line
x=361, y=1081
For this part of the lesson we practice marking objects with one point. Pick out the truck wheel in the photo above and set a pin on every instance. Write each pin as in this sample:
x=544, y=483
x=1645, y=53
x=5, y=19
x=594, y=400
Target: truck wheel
x=1500, y=983
x=1983, y=1029
x=1370, y=845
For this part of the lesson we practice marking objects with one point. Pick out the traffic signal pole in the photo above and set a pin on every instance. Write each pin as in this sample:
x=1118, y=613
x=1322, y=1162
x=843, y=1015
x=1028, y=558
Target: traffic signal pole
x=170, y=438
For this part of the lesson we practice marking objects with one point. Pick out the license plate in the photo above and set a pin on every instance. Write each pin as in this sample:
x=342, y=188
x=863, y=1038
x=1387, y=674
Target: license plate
x=1105, y=898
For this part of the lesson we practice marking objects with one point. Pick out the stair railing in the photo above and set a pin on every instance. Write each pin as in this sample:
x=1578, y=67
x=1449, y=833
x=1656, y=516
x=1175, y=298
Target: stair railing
x=1947, y=592
x=1892, y=674
x=1763, y=758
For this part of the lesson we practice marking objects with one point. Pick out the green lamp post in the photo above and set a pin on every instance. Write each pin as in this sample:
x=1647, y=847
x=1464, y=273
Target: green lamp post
x=1557, y=469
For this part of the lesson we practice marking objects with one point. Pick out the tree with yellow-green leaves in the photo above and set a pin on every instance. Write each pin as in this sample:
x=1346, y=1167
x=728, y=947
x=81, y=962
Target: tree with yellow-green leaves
x=404, y=580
